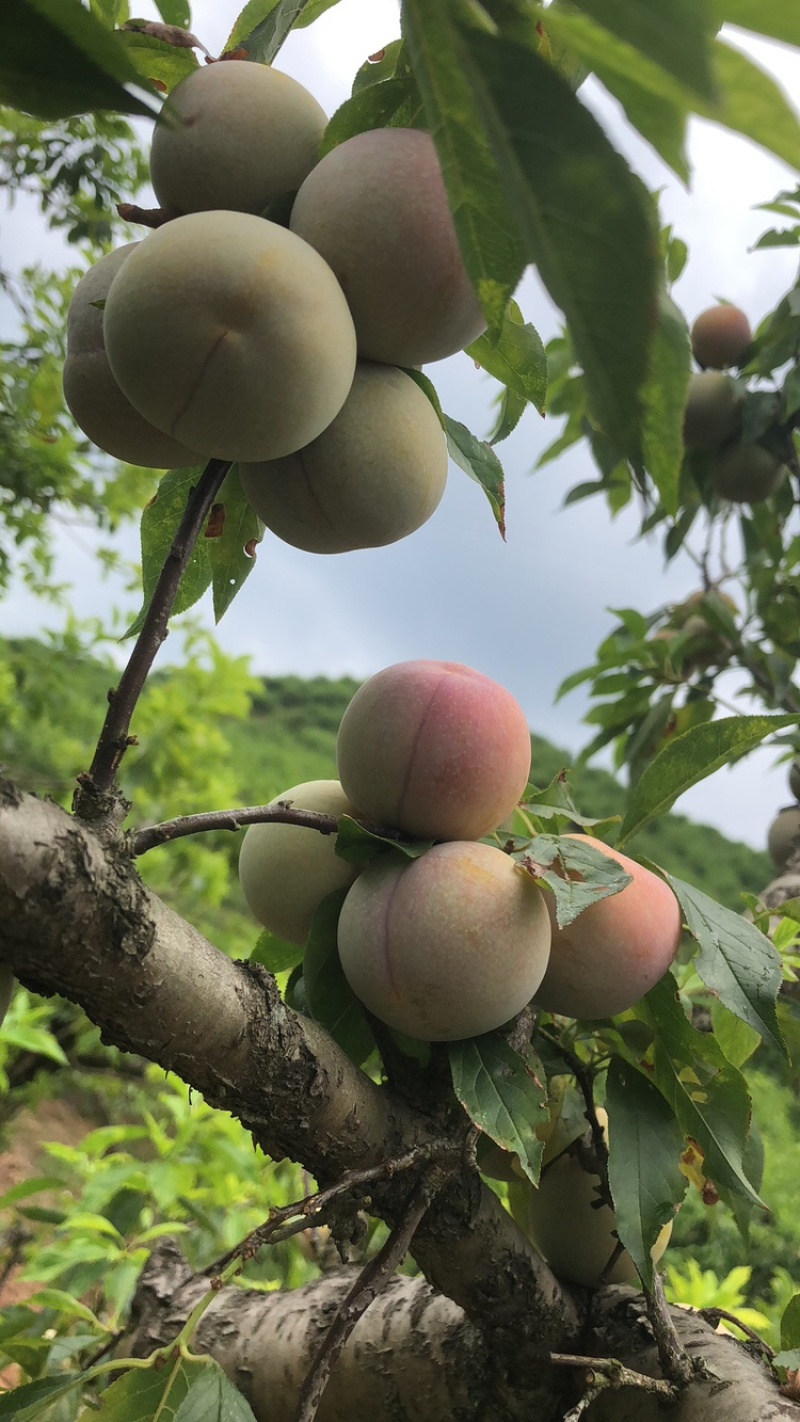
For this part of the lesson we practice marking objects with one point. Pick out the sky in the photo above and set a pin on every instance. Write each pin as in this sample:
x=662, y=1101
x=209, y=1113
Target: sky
x=529, y=611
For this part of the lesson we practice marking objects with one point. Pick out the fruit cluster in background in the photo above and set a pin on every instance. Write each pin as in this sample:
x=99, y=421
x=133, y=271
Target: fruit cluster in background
x=455, y=941
x=738, y=469
x=280, y=344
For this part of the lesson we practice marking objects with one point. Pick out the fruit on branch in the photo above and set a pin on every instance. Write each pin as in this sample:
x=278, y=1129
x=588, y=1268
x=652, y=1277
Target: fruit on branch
x=794, y=778
x=287, y=870
x=713, y=410
x=373, y=476
x=721, y=337
x=376, y=209
x=435, y=749
x=746, y=473
x=234, y=135
x=93, y=396
x=228, y=332
x=448, y=945
x=693, y=605
x=6, y=990
x=575, y=1233
x=783, y=837
x=616, y=949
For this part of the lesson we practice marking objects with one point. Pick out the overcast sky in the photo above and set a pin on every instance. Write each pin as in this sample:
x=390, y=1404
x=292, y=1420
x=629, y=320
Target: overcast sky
x=531, y=610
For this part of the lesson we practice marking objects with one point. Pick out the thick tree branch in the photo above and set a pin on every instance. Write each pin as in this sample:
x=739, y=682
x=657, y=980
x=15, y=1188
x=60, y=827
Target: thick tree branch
x=150, y=836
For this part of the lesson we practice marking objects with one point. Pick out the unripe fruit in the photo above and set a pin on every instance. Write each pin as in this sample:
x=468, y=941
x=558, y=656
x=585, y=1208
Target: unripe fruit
x=287, y=870
x=446, y=946
x=373, y=476
x=229, y=332
x=782, y=834
x=376, y=209
x=435, y=749
x=794, y=778
x=234, y=135
x=721, y=337
x=93, y=396
x=746, y=474
x=576, y=1235
x=713, y=410
x=616, y=949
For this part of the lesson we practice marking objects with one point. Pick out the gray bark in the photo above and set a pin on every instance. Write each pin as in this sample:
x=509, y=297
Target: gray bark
x=475, y=1338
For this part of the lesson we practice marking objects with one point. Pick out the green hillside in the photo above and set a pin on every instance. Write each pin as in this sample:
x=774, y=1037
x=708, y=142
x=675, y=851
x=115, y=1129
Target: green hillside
x=52, y=701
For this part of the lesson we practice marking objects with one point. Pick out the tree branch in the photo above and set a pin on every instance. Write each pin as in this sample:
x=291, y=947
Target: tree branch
x=91, y=801
x=142, y=840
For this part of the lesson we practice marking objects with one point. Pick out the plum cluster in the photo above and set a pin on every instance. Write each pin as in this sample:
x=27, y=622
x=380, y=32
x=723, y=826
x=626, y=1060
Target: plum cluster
x=280, y=344
x=739, y=469
x=456, y=941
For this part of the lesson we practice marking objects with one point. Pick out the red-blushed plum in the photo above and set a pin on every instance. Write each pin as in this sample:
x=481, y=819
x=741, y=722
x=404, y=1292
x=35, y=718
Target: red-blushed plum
x=435, y=749
x=576, y=1236
x=373, y=476
x=721, y=336
x=93, y=396
x=234, y=135
x=616, y=949
x=446, y=946
x=782, y=834
x=230, y=333
x=746, y=473
x=376, y=209
x=287, y=870
x=713, y=410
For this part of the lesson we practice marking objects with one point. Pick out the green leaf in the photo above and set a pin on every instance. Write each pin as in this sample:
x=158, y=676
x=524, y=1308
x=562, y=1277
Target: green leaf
x=26, y=1188
x=160, y=522
x=517, y=358
x=330, y=997
x=213, y=1398
x=503, y=1093
x=769, y=17
x=689, y=758
x=34, y=1039
x=664, y=400
x=643, y=1172
x=263, y=25
x=175, y=12
x=393, y=104
x=600, y=875
x=234, y=530
x=390, y=62
x=359, y=845
x=155, y=60
x=24, y=1404
x=64, y=1303
x=736, y=1039
x=490, y=243
x=510, y=409
x=586, y=222
x=676, y=35
x=735, y=960
x=479, y=460
x=707, y=1095
x=58, y=59
x=753, y=103
x=790, y=1323
x=143, y=1394
x=662, y=121
x=276, y=955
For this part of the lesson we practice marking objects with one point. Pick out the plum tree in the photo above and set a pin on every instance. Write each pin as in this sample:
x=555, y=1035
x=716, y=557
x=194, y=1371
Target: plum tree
x=373, y=476
x=435, y=749
x=721, y=337
x=713, y=410
x=236, y=136
x=229, y=332
x=783, y=834
x=448, y=945
x=90, y=390
x=746, y=473
x=573, y=1227
x=377, y=210
x=287, y=870
x=616, y=949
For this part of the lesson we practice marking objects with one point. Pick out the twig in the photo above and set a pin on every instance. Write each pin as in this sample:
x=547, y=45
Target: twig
x=371, y=1281
x=286, y=1218
x=144, y=216
x=601, y=1374
x=676, y=1364
x=142, y=840
x=720, y=1315
x=114, y=739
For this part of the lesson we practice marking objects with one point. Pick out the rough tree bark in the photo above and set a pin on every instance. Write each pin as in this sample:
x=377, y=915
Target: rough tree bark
x=475, y=1339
